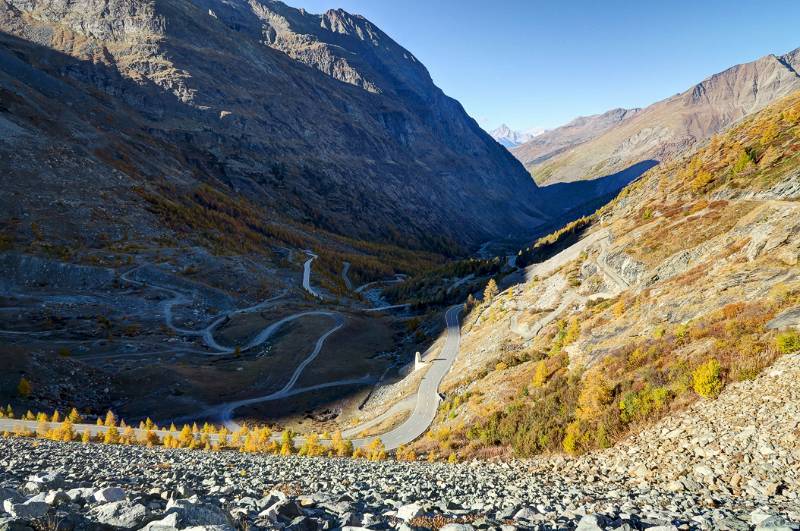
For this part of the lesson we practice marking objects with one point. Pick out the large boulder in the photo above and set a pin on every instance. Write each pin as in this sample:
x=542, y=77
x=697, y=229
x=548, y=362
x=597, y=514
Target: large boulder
x=13, y=524
x=192, y=513
x=29, y=510
x=109, y=494
x=123, y=514
x=409, y=512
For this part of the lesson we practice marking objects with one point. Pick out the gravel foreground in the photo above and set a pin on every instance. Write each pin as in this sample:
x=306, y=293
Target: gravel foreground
x=727, y=464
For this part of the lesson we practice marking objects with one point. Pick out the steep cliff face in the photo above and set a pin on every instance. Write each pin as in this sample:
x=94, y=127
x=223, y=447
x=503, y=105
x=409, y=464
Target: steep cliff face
x=322, y=119
x=668, y=127
x=792, y=59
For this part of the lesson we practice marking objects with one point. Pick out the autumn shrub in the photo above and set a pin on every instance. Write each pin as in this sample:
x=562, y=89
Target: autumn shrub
x=287, y=443
x=702, y=179
x=341, y=447
x=375, y=450
x=707, y=379
x=594, y=396
x=788, y=342
x=311, y=446
x=640, y=405
x=743, y=162
x=540, y=374
x=111, y=435
x=573, y=438
x=534, y=424
x=405, y=453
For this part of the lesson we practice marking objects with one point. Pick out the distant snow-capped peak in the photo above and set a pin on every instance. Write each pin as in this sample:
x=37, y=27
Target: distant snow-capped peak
x=510, y=138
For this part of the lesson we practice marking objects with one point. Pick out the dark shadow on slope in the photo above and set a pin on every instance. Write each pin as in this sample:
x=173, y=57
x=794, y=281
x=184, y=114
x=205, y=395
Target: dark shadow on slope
x=568, y=202
x=580, y=198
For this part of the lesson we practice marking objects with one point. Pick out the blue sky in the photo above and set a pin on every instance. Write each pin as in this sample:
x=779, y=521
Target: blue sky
x=541, y=63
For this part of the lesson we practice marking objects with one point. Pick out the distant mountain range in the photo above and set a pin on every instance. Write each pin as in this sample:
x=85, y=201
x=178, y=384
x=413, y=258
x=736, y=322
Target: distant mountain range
x=580, y=130
x=509, y=138
x=619, y=139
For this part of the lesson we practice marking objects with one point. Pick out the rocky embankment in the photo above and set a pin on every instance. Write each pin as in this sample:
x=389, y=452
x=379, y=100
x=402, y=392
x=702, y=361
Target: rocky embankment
x=725, y=464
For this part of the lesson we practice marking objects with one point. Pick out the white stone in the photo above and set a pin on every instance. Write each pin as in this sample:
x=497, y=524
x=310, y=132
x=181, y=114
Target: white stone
x=408, y=512
x=109, y=494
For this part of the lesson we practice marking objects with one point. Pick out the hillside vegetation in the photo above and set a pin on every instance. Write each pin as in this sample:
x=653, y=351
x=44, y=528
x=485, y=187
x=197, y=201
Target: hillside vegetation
x=686, y=287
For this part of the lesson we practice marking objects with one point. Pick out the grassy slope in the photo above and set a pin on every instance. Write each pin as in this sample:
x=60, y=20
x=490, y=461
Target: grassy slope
x=713, y=263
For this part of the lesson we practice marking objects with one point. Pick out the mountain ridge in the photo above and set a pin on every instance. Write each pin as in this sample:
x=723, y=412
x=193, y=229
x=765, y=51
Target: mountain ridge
x=257, y=119
x=674, y=124
x=575, y=132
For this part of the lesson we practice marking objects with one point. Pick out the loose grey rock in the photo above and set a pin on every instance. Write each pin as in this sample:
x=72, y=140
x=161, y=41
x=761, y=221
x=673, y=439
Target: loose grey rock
x=29, y=510
x=49, y=478
x=526, y=513
x=191, y=513
x=13, y=524
x=109, y=494
x=456, y=527
x=169, y=523
x=589, y=522
x=56, y=497
x=10, y=494
x=409, y=512
x=123, y=514
x=776, y=523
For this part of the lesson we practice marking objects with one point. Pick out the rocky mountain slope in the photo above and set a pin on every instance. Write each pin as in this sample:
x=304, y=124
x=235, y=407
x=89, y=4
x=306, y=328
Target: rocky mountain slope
x=685, y=283
x=668, y=127
x=322, y=120
x=169, y=176
x=555, y=141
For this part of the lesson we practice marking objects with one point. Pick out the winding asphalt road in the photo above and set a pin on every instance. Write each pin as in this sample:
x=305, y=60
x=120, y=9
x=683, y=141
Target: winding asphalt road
x=207, y=333
x=543, y=269
x=385, y=308
x=570, y=297
x=396, y=280
x=428, y=393
x=427, y=399
x=346, y=269
x=223, y=413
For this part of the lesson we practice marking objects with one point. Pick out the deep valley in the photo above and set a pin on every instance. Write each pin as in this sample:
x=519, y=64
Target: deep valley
x=241, y=243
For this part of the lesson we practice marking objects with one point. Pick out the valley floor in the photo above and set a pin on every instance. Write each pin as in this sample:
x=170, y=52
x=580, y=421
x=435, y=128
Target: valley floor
x=725, y=464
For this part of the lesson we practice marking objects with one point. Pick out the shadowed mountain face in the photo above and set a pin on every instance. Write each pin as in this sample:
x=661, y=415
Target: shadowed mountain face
x=323, y=119
x=792, y=60
x=581, y=198
x=624, y=138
